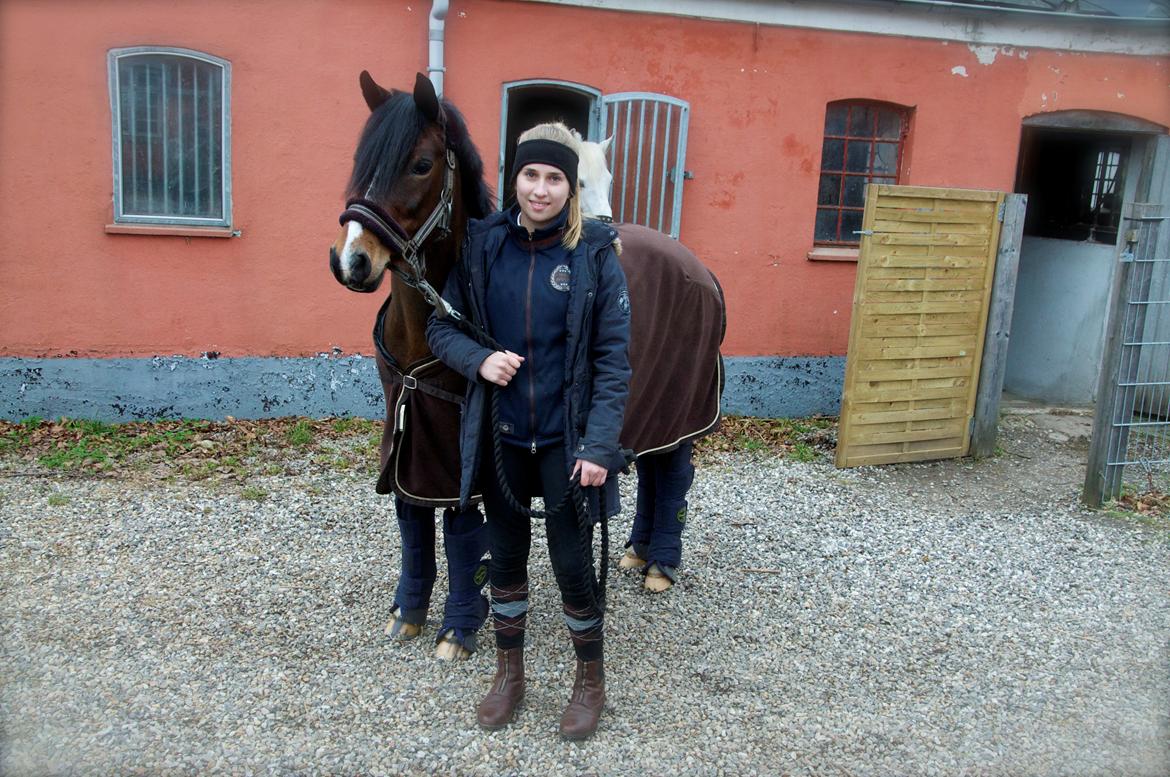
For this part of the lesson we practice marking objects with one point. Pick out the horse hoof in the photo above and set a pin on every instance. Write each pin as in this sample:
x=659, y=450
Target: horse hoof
x=631, y=561
x=449, y=650
x=396, y=628
x=656, y=582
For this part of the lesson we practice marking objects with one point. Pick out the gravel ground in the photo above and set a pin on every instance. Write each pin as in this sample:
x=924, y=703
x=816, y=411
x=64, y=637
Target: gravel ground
x=946, y=618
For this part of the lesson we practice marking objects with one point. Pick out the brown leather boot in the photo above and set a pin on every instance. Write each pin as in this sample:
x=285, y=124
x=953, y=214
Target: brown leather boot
x=580, y=718
x=498, y=708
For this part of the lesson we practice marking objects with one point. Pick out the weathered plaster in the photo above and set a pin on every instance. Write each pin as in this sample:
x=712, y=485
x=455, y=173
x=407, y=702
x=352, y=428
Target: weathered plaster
x=183, y=387
x=784, y=386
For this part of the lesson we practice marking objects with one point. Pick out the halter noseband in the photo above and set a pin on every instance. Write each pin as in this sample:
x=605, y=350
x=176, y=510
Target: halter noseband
x=371, y=216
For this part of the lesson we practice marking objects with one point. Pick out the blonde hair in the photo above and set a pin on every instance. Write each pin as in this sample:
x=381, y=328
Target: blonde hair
x=559, y=133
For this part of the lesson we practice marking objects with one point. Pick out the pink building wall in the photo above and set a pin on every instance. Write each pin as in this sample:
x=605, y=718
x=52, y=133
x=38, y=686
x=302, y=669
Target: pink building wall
x=757, y=96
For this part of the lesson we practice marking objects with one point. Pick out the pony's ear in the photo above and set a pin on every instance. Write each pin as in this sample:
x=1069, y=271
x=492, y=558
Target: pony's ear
x=426, y=100
x=605, y=144
x=374, y=94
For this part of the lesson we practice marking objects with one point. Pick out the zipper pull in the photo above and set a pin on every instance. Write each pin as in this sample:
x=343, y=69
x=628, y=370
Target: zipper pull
x=534, y=446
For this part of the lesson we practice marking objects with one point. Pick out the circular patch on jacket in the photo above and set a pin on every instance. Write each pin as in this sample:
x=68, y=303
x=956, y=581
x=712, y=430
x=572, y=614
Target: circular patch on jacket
x=624, y=301
x=559, y=279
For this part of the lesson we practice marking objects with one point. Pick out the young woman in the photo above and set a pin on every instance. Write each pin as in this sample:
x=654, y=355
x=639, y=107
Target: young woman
x=547, y=285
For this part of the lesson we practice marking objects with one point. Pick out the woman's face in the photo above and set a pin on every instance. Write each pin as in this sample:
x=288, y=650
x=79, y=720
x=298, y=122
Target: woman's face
x=542, y=191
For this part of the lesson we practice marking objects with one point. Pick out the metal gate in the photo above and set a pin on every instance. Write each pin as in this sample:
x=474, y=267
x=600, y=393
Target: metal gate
x=647, y=157
x=1131, y=430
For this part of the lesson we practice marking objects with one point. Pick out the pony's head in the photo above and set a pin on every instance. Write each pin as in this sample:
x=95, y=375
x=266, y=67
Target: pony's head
x=400, y=171
x=594, y=178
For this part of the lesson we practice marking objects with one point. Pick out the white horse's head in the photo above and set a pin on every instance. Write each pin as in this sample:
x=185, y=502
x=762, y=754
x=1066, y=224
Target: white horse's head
x=594, y=178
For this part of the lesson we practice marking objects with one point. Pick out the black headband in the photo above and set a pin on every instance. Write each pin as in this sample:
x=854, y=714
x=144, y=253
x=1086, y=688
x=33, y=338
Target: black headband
x=547, y=152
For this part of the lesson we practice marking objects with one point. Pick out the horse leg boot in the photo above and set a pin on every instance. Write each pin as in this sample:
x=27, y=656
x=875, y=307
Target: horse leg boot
x=639, y=543
x=416, y=578
x=465, y=543
x=510, y=615
x=673, y=476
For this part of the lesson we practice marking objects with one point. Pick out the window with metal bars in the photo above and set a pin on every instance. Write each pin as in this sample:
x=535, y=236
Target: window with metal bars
x=863, y=143
x=171, y=137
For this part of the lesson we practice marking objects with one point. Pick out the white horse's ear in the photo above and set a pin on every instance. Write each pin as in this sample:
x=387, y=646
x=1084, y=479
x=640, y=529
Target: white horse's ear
x=605, y=144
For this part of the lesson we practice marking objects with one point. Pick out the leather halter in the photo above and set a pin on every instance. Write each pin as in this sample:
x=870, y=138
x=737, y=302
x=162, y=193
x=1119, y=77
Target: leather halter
x=374, y=218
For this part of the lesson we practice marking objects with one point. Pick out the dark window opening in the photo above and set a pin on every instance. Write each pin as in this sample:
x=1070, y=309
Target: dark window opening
x=863, y=144
x=1075, y=182
x=532, y=105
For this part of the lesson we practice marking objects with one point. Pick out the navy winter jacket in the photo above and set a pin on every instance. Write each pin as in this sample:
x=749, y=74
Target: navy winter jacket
x=527, y=307
x=596, y=371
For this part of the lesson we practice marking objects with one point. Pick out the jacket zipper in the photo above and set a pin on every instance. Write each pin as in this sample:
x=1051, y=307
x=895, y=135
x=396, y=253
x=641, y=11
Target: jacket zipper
x=528, y=334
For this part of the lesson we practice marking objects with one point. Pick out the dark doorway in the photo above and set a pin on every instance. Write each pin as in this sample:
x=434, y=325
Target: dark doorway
x=1075, y=182
x=530, y=105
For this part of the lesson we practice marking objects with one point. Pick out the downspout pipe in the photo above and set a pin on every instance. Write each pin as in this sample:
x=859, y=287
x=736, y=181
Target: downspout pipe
x=435, y=32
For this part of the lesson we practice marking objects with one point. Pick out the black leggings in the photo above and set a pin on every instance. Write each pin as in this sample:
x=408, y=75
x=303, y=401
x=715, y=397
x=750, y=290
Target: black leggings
x=510, y=534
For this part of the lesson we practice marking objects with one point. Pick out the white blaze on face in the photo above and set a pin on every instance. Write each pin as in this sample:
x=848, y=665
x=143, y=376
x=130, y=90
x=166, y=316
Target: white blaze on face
x=353, y=232
x=594, y=179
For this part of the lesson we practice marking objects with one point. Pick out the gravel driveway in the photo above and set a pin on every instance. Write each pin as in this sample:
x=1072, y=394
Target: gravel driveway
x=945, y=618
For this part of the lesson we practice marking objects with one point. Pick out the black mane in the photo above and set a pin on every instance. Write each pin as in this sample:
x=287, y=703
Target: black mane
x=392, y=132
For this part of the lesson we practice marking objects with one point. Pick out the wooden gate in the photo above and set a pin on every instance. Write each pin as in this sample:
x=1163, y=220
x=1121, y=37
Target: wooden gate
x=920, y=305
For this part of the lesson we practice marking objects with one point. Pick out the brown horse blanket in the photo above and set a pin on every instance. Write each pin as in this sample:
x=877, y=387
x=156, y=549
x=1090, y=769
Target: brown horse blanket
x=677, y=321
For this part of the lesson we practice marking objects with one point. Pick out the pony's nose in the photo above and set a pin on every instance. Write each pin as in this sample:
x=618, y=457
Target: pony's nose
x=335, y=264
x=359, y=267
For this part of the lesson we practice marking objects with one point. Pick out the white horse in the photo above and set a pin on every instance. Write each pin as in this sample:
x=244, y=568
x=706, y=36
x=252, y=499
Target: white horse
x=594, y=178
x=662, y=478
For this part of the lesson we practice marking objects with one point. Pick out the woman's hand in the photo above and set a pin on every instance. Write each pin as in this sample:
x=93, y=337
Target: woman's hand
x=591, y=474
x=500, y=367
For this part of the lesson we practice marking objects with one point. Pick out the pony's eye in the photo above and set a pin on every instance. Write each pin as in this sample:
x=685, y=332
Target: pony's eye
x=422, y=167
x=581, y=184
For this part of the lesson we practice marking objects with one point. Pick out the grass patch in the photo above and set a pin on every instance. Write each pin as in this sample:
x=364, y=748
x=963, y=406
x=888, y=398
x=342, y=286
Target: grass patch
x=800, y=439
x=239, y=449
x=59, y=500
x=253, y=493
x=301, y=435
x=356, y=426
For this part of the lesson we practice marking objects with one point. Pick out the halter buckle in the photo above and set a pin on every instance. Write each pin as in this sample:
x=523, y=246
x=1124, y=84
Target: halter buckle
x=409, y=382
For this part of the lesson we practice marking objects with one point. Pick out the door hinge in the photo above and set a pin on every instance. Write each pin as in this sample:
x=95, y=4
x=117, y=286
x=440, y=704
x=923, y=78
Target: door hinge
x=863, y=232
x=1000, y=211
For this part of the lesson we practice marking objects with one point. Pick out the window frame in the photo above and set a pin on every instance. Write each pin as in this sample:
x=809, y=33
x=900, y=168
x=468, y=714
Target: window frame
x=905, y=114
x=135, y=222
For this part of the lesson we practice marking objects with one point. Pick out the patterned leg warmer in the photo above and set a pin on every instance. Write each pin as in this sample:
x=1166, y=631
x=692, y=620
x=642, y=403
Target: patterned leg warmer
x=586, y=630
x=510, y=614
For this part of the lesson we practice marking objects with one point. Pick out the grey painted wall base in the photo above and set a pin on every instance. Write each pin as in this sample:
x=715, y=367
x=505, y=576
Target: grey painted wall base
x=783, y=386
x=183, y=387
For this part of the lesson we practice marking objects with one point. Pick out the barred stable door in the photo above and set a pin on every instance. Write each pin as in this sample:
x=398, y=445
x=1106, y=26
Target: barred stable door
x=920, y=304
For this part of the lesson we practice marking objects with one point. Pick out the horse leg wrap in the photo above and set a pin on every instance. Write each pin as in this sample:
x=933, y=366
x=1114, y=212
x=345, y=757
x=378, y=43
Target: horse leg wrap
x=674, y=475
x=643, y=526
x=465, y=541
x=416, y=578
